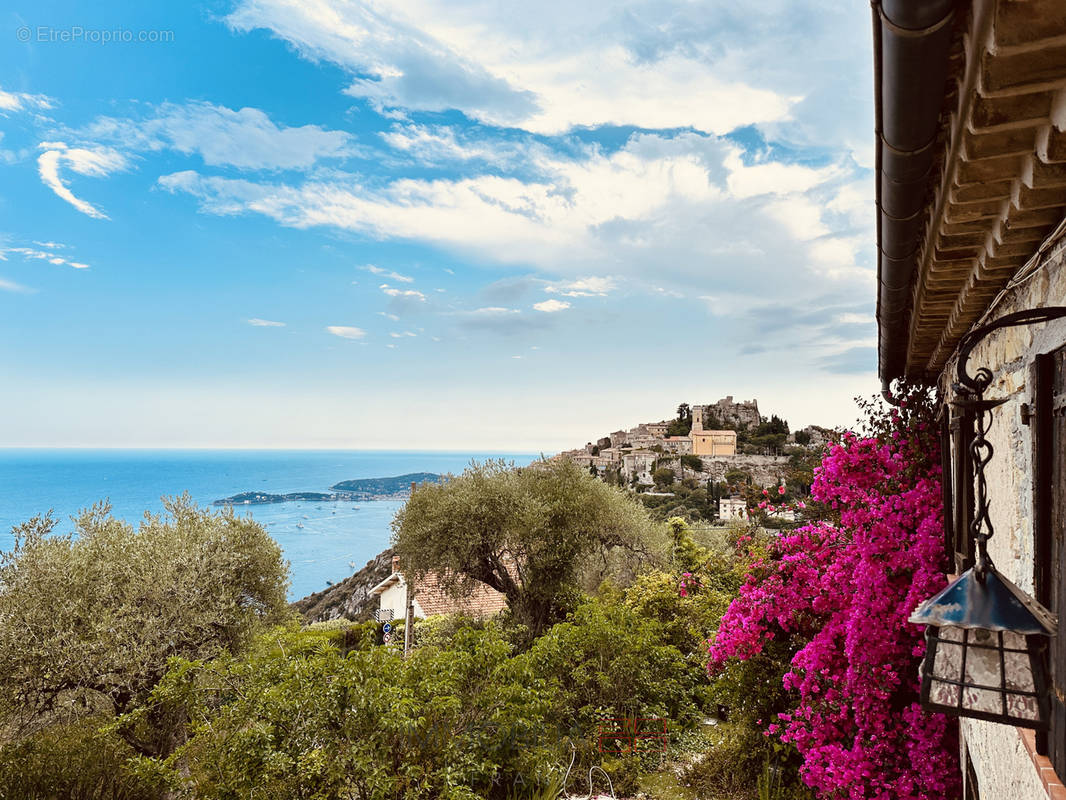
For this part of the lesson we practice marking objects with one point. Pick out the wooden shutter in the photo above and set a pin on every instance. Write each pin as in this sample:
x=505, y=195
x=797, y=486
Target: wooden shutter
x=1048, y=422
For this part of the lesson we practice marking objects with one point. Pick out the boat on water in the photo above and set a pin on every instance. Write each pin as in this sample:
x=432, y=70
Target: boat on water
x=299, y=524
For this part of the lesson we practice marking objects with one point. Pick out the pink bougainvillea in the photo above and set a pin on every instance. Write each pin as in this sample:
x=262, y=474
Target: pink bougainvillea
x=846, y=589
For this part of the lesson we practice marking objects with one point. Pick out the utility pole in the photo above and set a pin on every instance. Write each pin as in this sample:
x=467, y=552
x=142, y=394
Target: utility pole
x=409, y=613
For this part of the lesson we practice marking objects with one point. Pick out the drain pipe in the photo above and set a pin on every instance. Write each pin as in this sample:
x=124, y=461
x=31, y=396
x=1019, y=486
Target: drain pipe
x=912, y=44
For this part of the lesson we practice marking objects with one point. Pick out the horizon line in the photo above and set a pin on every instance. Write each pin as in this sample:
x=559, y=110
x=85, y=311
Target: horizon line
x=266, y=449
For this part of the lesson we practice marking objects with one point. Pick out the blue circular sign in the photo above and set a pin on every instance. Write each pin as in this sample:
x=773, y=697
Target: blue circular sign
x=386, y=627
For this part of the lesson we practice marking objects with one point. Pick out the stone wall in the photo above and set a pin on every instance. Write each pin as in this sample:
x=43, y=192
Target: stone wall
x=764, y=470
x=1002, y=766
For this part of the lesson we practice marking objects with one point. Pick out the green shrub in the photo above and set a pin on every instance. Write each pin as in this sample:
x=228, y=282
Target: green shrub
x=608, y=663
x=730, y=765
x=75, y=761
x=692, y=462
x=297, y=718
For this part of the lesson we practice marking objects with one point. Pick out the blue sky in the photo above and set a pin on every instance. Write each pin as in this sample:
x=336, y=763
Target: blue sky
x=413, y=224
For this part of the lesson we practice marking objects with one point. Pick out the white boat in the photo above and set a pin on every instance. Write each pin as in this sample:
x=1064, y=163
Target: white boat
x=299, y=524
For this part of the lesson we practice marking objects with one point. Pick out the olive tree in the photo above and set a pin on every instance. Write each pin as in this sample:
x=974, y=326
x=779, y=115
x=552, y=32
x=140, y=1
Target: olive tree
x=88, y=619
x=529, y=533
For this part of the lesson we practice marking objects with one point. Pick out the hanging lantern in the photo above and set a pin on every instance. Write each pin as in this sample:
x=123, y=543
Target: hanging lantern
x=986, y=639
x=986, y=645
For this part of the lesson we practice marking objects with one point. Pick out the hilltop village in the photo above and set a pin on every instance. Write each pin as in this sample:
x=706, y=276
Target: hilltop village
x=709, y=459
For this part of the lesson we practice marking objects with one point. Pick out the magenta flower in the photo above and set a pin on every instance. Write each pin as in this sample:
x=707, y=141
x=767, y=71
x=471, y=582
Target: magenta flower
x=847, y=591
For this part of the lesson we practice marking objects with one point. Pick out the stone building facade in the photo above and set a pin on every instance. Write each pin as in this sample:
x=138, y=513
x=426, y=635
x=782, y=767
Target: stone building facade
x=710, y=442
x=971, y=193
x=1005, y=760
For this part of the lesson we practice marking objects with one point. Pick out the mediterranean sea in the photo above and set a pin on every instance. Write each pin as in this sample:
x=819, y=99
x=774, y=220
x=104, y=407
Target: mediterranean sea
x=334, y=537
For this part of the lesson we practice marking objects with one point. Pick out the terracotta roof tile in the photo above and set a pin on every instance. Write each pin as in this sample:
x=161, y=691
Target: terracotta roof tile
x=482, y=601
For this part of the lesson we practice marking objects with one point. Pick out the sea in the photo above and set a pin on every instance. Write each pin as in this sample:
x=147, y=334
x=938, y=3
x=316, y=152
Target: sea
x=322, y=541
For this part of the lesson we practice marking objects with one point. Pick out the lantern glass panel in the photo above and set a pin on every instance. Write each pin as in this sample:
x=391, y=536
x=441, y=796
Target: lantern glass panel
x=1019, y=671
x=948, y=661
x=1023, y=707
x=982, y=659
x=985, y=701
x=943, y=694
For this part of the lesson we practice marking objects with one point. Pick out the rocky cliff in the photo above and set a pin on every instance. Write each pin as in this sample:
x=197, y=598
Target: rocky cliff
x=348, y=599
x=742, y=414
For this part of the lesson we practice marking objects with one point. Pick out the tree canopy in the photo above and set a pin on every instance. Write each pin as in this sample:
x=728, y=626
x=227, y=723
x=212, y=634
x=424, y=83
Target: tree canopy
x=88, y=619
x=528, y=533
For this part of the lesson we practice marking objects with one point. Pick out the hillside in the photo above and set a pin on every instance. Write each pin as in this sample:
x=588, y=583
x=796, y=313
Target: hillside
x=348, y=599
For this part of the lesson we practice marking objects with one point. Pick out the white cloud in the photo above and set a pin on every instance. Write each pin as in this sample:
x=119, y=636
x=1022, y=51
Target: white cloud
x=395, y=335
x=772, y=177
x=551, y=306
x=44, y=255
x=265, y=323
x=494, y=311
x=96, y=162
x=852, y=318
x=408, y=293
x=542, y=68
x=386, y=273
x=389, y=316
x=246, y=138
x=657, y=215
x=11, y=102
x=11, y=286
x=346, y=331
x=438, y=143
x=583, y=287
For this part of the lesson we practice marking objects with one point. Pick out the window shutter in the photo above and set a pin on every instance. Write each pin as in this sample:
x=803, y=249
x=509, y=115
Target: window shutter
x=1048, y=423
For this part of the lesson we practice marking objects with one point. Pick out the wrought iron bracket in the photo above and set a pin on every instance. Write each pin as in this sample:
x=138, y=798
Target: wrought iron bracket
x=980, y=381
x=970, y=396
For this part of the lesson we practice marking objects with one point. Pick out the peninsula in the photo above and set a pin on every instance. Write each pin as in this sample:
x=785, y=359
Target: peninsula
x=396, y=487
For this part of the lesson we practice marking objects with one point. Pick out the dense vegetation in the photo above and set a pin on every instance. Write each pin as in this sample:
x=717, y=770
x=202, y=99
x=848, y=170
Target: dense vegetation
x=160, y=663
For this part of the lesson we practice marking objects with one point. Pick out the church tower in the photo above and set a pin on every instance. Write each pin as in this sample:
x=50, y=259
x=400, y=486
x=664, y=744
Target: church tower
x=697, y=420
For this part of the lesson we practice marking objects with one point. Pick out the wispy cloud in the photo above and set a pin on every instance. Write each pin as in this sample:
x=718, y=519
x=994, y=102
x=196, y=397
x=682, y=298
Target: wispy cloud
x=245, y=138
x=396, y=335
x=408, y=293
x=499, y=320
x=440, y=144
x=44, y=255
x=11, y=286
x=95, y=162
x=11, y=102
x=264, y=323
x=551, y=306
x=346, y=331
x=387, y=273
x=584, y=287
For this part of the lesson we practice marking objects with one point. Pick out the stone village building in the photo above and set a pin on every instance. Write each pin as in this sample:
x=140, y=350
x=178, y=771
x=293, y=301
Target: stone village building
x=428, y=599
x=970, y=100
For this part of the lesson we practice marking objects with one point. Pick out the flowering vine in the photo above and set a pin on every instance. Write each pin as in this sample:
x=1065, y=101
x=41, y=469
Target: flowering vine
x=845, y=589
